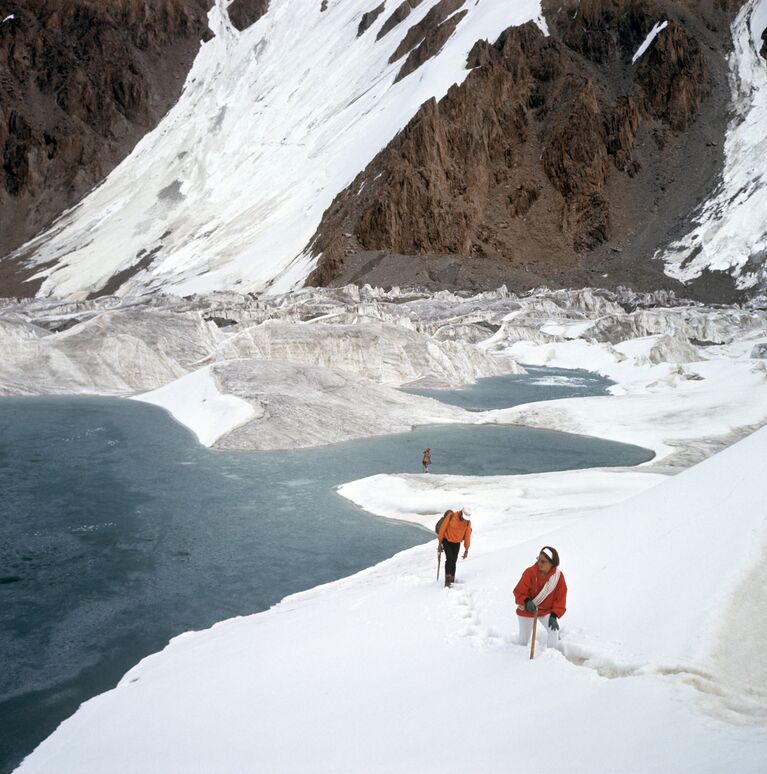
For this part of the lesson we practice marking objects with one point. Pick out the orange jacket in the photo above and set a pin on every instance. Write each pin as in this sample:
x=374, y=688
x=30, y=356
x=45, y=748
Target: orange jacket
x=531, y=583
x=454, y=529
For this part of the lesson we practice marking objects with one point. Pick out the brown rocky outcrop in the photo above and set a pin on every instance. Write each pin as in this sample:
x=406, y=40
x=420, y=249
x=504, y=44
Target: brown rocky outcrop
x=243, y=13
x=81, y=81
x=430, y=46
x=400, y=13
x=368, y=18
x=672, y=77
x=557, y=155
x=430, y=22
x=425, y=39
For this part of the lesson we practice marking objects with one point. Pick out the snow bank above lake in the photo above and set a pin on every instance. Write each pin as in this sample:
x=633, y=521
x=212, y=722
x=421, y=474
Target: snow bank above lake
x=196, y=401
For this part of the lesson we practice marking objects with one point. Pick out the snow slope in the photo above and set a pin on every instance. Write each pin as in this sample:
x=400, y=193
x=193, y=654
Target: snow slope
x=272, y=124
x=363, y=673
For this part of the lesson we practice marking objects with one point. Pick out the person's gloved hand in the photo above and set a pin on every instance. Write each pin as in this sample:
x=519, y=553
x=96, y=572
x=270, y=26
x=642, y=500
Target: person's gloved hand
x=530, y=606
x=439, y=548
x=553, y=623
x=465, y=553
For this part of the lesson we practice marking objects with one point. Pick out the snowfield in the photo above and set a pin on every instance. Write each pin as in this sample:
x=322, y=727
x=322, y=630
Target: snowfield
x=661, y=665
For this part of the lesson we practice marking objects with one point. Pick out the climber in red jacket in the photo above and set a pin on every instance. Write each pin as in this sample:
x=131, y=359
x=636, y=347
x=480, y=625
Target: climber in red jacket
x=541, y=591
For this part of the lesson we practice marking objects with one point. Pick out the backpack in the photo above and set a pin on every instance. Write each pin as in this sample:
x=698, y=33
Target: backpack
x=438, y=525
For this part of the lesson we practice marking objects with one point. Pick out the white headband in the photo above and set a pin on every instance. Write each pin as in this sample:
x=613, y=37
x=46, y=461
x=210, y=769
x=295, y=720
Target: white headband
x=546, y=551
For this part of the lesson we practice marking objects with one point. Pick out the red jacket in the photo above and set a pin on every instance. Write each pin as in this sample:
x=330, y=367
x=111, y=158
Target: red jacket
x=531, y=583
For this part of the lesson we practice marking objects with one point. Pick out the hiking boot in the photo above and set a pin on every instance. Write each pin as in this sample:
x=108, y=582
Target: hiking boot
x=449, y=580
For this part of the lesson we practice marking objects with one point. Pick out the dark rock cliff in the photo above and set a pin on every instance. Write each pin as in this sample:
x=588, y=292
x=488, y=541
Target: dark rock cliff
x=558, y=160
x=243, y=13
x=81, y=81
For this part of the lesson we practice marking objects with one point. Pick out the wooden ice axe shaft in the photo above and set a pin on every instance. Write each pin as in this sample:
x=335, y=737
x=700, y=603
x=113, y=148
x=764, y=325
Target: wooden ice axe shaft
x=532, y=641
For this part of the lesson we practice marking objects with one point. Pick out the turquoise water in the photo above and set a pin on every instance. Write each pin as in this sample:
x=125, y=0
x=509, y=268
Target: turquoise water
x=118, y=531
x=537, y=384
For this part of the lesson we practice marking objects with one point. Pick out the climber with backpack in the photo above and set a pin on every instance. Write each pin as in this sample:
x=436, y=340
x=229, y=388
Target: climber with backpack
x=426, y=459
x=451, y=529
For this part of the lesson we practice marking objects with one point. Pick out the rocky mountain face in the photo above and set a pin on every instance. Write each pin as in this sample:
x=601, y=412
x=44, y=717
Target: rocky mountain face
x=559, y=160
x=81, y=81
x=564, y=160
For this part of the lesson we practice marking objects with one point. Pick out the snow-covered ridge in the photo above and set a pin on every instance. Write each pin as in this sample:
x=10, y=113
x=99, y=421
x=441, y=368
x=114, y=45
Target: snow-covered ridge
x=731, y=230
x=272, y=124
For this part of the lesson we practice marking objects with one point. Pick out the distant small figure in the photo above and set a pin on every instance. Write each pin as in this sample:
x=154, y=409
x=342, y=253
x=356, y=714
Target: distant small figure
x=541, y=593
x=455, y=528
x=426, y=461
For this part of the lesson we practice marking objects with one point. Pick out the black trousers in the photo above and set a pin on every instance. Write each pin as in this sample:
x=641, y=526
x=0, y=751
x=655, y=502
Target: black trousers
x=451, y=556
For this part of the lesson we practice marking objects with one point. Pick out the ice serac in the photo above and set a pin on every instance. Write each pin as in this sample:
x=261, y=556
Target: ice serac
x=228, y=190
x=112, y=347
x=557, y=161
x=302, y=359
x=385, y=353
x=114, y=353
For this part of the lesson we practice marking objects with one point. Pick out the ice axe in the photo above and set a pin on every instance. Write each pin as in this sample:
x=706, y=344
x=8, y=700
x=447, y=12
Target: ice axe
x=532, y=642
x=439, y=562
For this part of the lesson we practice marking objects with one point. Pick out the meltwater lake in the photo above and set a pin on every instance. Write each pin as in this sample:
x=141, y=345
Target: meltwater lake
x=119, y=531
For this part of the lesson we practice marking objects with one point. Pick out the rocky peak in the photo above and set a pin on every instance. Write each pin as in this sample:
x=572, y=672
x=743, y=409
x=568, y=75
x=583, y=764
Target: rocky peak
x=557, y=156
x=672, y=79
